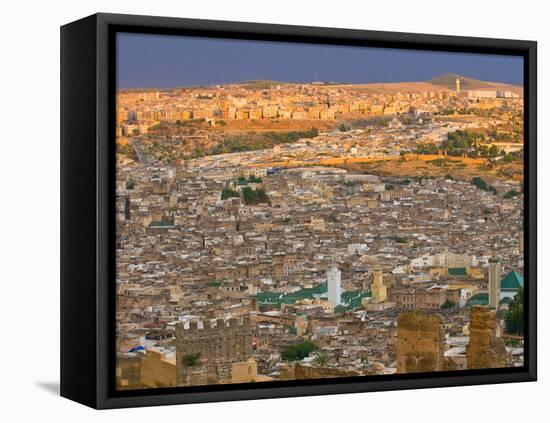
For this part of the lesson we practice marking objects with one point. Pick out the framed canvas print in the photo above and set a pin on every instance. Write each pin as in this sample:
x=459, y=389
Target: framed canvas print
x=258, y=211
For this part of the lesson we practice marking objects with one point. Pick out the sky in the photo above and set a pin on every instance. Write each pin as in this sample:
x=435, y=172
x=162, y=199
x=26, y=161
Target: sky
x=164, y=61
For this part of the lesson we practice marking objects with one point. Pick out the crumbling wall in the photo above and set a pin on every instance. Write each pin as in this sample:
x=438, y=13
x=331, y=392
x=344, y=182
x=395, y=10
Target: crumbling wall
x=420, y=339
x=485, y=350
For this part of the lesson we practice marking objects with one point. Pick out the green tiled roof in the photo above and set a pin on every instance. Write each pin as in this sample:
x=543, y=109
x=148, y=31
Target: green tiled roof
x=483, y=299
x=352, y=299
x=457, y=271
x=277, y=298
x=512, y=280
x=478, y=299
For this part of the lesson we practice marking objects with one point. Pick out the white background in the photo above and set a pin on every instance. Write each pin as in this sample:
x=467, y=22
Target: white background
x=29, y=175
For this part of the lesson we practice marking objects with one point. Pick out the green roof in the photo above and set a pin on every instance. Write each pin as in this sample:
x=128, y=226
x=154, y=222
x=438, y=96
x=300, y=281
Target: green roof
x=483, y=299
x=512, y=280
x=457, y=271
x=478, y=299
x=277, y=298
x=352, y=299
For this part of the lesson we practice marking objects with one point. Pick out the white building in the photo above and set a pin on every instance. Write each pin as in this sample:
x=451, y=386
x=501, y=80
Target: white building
x=334, y=284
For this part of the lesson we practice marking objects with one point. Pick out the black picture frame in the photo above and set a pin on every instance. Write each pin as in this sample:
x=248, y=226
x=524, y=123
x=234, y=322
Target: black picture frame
x=87, y=209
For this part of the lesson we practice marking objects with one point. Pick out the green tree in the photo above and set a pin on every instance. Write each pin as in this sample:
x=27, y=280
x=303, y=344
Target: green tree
x=514, y=316
x=229, y=193
x=483, y=185
x=254, y=196
x=254, y=179
x=298, y=352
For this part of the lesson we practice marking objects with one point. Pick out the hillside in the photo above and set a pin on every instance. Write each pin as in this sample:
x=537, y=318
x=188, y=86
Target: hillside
x=448, y=80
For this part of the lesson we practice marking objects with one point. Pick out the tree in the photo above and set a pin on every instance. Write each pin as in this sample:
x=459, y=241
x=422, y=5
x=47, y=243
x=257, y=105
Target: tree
x=254, y=179
x=514, y=316
x=298, y=352
x=483, y=185
x=254, y=196
x=229, y=193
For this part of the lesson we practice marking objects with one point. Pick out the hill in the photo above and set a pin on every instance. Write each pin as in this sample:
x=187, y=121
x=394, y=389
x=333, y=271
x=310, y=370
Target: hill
x=448, y=80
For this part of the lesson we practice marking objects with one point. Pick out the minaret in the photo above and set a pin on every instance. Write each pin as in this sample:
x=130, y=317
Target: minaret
x=457, y=86
x=378, y=289
x=494, y=282
x=334, y=284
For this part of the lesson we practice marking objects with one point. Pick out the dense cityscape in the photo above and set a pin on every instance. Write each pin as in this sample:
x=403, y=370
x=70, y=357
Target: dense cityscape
x=271, y=231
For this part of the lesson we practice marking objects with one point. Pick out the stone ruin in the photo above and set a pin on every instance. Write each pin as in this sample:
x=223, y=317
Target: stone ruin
x=420, y=342
x=420, y=345
x=215, y=349
x=486, y=349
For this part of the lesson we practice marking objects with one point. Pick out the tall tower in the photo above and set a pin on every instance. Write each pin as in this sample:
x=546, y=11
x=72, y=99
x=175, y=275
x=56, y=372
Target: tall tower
x=494, y=282
x=334, y=284
x=378, y=289
x=457, y=85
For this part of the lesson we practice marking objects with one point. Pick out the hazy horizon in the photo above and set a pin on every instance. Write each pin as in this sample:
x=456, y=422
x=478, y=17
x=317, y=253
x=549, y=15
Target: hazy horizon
x=165, y=61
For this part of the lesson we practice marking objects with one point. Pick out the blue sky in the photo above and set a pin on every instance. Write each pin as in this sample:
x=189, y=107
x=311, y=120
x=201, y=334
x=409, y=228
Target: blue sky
x=163, y=61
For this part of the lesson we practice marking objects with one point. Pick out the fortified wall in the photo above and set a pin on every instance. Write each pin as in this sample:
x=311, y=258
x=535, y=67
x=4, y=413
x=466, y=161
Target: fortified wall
x=206, y=355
